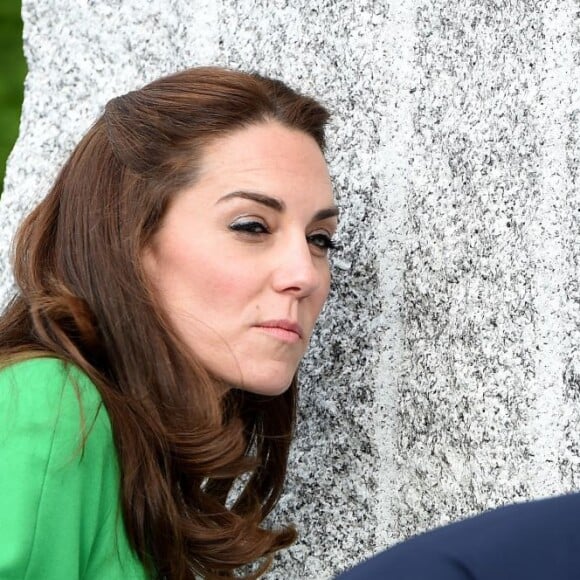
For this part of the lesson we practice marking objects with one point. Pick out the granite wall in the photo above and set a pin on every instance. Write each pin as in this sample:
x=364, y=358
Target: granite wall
x=444, y=377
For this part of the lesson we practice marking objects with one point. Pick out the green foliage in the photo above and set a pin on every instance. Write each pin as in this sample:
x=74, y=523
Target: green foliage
x=12, y=73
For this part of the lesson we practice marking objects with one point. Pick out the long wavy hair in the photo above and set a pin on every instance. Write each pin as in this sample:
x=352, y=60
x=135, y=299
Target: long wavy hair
x=184, y=448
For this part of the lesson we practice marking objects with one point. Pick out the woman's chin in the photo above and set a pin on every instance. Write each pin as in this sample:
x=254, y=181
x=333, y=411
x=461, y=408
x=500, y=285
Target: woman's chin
x=270, y=377
x=269, y=386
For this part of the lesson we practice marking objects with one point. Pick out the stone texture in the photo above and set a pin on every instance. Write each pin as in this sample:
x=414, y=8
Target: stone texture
x=444, y=377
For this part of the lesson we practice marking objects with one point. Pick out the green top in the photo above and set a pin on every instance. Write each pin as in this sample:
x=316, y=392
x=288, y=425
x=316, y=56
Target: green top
x=59, y=502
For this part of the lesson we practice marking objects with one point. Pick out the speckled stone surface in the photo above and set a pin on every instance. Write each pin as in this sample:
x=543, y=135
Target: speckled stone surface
x=444, y=377
x=487, y=402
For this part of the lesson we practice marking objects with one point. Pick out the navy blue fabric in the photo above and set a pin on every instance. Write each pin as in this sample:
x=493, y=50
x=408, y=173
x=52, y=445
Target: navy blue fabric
x=538, y=540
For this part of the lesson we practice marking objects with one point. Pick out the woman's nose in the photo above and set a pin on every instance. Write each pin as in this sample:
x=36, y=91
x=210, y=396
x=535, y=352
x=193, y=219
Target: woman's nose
x=297, y=270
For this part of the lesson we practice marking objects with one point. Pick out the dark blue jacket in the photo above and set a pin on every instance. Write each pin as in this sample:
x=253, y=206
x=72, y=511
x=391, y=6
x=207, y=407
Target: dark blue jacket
x=538, y=540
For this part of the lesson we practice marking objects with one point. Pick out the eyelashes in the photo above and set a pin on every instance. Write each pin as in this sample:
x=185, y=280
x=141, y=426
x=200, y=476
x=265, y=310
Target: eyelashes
x=250, y=227
x=255, y=228
x=322, y=241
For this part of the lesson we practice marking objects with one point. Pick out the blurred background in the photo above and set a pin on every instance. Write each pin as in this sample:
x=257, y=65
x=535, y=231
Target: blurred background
x=11, y=78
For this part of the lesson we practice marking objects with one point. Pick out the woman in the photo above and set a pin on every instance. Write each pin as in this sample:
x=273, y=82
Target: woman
x=168, y=287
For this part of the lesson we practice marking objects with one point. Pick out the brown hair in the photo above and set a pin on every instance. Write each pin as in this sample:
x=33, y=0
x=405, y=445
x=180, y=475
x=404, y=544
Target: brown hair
x=84, y=298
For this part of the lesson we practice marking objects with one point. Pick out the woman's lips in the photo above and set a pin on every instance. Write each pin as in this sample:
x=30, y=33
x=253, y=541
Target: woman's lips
x=284, y=330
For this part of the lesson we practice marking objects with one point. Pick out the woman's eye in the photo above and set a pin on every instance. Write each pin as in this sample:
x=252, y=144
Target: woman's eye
x=321, y=241
x=250, y=227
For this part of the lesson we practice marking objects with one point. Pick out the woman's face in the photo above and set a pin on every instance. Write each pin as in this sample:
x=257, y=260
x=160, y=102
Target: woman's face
x=240, y=260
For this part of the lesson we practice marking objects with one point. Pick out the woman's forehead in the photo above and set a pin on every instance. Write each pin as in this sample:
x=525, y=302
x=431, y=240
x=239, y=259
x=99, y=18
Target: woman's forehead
x=269, y=159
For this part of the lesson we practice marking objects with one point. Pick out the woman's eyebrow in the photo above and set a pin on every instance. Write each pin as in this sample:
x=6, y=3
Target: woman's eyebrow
x=271, y=202
x=276, y=204
x=325, y=214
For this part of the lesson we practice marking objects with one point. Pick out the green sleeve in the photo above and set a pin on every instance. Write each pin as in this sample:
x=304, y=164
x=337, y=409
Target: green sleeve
x=59, y=500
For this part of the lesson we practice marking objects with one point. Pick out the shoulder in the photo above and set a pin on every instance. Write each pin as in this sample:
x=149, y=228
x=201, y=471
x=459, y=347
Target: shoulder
x=532, y=541
x=44, y=385
x=44, y=377
x=56, y=445
x=48, y=399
